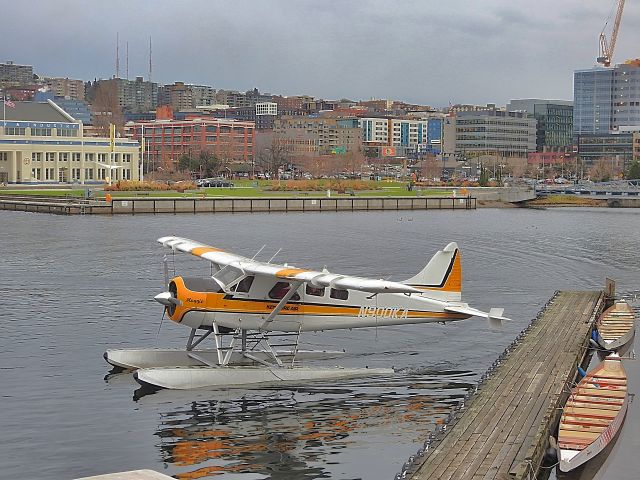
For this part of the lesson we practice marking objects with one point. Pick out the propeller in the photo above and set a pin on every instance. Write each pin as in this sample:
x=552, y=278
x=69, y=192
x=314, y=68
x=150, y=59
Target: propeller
x=165, y=265
x=167, y=298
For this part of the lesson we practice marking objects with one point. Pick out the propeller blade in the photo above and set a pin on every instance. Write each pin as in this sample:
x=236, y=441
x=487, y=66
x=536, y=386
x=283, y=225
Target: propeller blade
x=160, y=326
x=165, y=263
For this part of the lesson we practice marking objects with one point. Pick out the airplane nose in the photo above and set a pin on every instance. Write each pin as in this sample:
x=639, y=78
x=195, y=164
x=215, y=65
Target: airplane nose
x=167, y=299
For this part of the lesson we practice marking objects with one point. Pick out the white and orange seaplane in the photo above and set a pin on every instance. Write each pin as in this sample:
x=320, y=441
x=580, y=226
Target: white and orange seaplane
x=245, y=304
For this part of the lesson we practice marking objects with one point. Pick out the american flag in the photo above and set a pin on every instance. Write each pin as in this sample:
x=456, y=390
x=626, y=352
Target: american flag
x=9, y=103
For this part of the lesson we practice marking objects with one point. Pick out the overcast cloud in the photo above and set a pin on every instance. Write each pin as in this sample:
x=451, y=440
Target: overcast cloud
x=423, y=51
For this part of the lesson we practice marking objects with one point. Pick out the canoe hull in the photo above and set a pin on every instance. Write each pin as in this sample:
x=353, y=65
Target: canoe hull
x=616, y=326
x=593, y=414
x=570, y=459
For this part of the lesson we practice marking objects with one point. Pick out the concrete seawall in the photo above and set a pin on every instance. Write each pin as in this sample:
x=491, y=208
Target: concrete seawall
x=150, y=205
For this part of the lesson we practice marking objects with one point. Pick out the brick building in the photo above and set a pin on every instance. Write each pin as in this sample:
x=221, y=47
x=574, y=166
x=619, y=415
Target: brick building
x=167, y=140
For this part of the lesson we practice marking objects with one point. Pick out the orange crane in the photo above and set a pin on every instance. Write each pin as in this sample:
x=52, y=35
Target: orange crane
x=608, y=46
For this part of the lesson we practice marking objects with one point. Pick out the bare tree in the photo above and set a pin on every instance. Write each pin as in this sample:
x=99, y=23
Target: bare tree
x=106, y=108
x=353, y=162
x=272, y=158
x=602, y=170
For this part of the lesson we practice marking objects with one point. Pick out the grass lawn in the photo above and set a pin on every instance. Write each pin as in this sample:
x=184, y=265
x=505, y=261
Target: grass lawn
x=241, y=189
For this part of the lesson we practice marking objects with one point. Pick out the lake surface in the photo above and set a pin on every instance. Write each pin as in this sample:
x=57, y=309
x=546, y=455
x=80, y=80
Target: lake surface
x=75, y=286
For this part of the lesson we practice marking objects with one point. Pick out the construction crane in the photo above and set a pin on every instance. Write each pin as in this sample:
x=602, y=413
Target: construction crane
x=608, y=46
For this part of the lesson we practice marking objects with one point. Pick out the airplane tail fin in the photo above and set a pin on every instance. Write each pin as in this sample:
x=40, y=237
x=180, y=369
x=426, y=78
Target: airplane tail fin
x=442, y=277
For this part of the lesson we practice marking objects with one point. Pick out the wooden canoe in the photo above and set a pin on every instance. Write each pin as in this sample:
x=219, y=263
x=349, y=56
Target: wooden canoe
x=593, y=414
x=616, y=326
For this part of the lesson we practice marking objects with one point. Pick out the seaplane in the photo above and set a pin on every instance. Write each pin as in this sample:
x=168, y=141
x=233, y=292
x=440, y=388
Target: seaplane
x=244, y=304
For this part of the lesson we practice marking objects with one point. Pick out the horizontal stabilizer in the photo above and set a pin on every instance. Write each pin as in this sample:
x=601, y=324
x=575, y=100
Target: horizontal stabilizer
x=494, y=316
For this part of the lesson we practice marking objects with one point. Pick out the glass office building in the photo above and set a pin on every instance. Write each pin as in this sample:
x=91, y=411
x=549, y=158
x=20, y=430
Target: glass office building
x=606, y=99
x=592, y=100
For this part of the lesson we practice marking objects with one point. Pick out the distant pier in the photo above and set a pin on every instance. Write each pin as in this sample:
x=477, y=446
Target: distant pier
x=155, y=205
x=503, y=429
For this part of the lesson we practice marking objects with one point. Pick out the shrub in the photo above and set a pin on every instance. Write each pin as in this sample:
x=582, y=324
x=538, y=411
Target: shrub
x=137, y=186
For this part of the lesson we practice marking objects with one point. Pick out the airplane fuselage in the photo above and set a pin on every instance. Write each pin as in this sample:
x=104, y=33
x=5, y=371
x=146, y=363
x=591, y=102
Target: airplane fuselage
x=325, y=309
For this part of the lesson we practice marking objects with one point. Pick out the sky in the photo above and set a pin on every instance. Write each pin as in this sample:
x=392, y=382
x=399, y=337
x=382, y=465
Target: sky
x=429, y=52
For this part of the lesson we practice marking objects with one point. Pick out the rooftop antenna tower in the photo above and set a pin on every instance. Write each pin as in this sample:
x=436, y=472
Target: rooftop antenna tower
x=127, y=60
x=117, y=55
x=150, y=62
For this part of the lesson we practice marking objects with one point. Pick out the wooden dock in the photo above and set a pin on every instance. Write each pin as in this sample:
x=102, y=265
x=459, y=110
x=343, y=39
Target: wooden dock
x=502, y=432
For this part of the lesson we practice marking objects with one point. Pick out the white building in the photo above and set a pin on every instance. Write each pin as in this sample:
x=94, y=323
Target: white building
x=41, y=143
x=267, y=108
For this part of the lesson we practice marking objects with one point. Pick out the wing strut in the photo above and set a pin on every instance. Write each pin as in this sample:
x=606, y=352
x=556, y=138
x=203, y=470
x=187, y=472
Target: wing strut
x=281, y=304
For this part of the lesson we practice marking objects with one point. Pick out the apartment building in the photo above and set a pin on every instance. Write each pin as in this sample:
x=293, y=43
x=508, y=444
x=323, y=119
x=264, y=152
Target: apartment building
x=133, y=96
x=65, y=87
x=13, y=74
x=314, y=135
x=181, y=96
x=402, y=133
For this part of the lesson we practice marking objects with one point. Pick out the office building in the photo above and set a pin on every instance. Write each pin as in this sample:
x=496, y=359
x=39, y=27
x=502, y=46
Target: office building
x=607, y=99
x=616, y=147
x=41, y=143
x=167, y=140
x=606, y=111
x=554, y=131
x=496, y=133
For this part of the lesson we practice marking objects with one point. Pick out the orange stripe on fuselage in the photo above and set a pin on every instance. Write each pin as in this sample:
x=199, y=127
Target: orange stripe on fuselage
x=217, y=302
x=199, y=251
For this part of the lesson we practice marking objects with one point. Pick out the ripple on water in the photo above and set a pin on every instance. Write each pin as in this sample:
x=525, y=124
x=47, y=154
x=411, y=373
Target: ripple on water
x=86, y=285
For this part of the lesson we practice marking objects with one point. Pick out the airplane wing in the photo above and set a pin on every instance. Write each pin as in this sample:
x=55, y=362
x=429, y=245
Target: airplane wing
x=284, y=272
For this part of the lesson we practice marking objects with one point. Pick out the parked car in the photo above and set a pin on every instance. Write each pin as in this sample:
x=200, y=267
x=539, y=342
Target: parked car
x=214, y=182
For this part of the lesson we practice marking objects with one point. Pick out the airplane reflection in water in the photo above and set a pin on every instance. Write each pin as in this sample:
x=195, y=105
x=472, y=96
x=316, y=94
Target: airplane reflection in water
x=297, y=434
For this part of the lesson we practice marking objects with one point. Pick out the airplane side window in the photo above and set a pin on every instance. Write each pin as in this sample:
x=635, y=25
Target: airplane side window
x=339, y=294
x=280, y=289
x=315, y=291
x=244, y=285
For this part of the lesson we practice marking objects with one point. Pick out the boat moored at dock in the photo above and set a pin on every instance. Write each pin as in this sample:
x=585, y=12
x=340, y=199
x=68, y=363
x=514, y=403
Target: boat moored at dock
x=616, y=326
x=593, y=413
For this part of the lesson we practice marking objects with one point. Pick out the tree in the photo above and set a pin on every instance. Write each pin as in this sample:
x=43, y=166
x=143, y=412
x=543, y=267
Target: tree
x=272, y=158
x=602, y=171
x=634, y=170
x=353, y=162
x=484, y=176
x=185, y=162
x=209, y=162
x=105, y=107
x=206, y=164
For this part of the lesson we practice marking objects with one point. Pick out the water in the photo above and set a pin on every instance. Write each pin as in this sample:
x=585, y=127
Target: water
x=75, y=286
